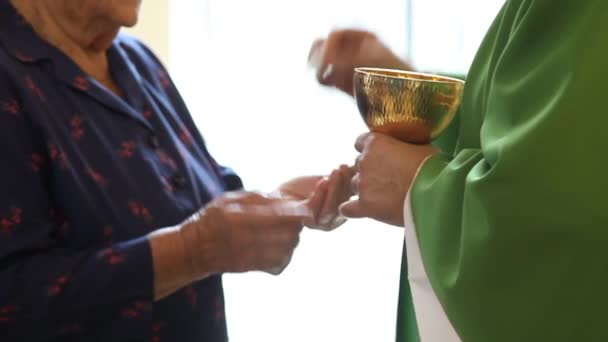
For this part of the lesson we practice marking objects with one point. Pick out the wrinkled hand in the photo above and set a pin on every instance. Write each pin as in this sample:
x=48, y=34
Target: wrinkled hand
x=336, y=56
x=322, y=195
x=244, y=231
x=385, y=169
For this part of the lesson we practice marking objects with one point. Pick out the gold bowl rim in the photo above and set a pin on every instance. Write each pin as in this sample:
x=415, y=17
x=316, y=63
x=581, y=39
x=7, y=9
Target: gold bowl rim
x=423, y=77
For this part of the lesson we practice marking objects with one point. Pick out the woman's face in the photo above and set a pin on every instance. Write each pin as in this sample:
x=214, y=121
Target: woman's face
x=100, y=12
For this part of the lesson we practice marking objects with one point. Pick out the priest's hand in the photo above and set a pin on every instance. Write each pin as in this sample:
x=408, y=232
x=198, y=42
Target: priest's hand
x=385, y=170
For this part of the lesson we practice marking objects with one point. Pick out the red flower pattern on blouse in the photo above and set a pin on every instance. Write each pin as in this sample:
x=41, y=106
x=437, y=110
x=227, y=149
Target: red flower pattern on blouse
x=108, y=235
x=77, y=127
x=185, y=137
x=58, y=156
x=136, y=309
x=9, y=223
x=147, y=113
x=156, y=330
x=163, y=77
x=11, y=107
x=166, y=159
x=140, y=211
x=36, y=162
x=34, y=89
x=7, y=313
x=81, y=83
x=112, y=256
x=58, y=285
x=97, y=177
x=127, y=149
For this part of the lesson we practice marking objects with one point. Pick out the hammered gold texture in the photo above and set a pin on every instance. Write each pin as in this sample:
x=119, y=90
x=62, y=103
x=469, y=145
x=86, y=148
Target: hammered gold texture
x=412, y=107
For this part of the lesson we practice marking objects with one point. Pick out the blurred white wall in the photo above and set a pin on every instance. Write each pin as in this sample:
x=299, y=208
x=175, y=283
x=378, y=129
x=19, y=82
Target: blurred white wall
x=241, y=66
x=153, y=27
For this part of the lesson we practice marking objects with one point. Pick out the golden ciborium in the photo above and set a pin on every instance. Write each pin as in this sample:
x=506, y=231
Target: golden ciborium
x=412, y=107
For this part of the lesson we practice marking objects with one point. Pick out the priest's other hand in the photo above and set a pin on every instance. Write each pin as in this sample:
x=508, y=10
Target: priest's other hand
x=336, y=56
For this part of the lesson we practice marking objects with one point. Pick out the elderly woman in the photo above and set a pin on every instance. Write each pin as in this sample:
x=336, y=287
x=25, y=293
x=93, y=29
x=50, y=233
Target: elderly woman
x=99, y=152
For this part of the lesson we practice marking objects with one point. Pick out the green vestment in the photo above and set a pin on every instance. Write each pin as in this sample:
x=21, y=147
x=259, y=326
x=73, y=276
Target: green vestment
x=512, y=219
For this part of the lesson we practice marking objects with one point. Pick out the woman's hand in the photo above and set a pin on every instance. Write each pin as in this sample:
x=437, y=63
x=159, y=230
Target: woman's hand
x=336, y=56
x=236, y=232
x=244, y=231
x=322, y=195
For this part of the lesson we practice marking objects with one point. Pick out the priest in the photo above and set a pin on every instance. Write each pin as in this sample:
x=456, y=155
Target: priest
x=505, y=217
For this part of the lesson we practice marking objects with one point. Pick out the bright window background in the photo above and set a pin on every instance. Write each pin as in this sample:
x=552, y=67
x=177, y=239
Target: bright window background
x=445, y=34
x=241, y=66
